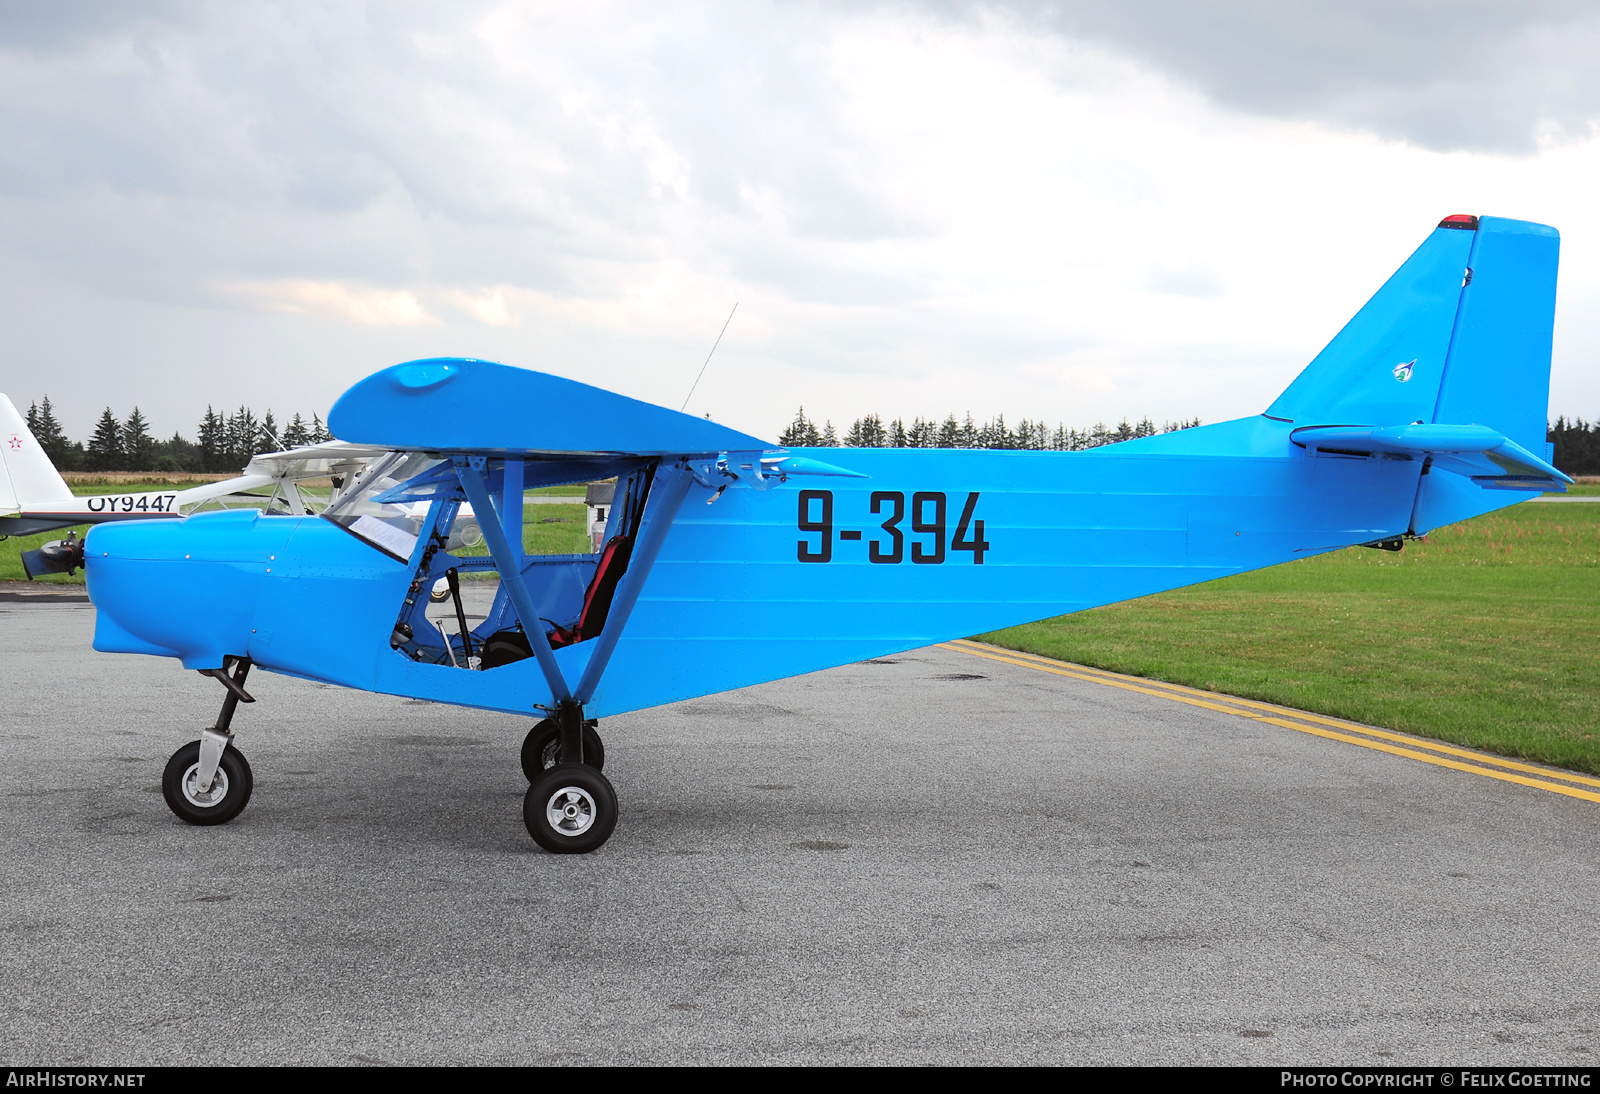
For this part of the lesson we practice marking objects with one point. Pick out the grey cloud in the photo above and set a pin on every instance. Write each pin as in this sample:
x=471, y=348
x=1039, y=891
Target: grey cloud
x=1485, y=75
x=166, y=153
x=68, y=24
x=392, y=144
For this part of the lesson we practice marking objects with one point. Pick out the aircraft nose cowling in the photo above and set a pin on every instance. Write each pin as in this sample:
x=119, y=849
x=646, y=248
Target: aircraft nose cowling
x=186, y=589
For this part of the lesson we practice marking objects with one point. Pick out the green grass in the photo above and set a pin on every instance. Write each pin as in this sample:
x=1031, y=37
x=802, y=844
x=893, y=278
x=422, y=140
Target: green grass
x=549, y=530
x=11, y=558
x=1485, y=635
x=556, y=530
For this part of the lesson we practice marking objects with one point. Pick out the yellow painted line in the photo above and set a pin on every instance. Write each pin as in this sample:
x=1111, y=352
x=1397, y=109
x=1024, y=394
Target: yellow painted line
x=1306, y=716
x=1033, y=661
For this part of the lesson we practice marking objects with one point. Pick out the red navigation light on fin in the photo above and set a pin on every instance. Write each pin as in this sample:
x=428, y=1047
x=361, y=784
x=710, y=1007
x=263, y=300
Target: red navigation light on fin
x=1465, y=221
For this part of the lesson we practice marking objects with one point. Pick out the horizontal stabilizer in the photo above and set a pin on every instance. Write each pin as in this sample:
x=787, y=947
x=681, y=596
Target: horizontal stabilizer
x=1484, y=455
x=455, y=404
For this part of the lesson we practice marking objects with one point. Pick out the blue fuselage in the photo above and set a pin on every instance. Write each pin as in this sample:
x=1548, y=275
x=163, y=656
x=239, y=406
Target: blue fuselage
x=756, y=585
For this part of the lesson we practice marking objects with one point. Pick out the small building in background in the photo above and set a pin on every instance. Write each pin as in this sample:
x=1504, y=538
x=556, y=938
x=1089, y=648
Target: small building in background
x=598, y=499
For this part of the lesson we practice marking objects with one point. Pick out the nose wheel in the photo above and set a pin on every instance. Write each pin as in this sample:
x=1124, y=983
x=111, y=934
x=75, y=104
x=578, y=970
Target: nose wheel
x=219, y=802
x=570, y=809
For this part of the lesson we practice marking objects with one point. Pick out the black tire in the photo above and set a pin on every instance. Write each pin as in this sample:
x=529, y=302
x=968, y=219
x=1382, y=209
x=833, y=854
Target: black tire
x=235, y=795
x=584, y=804
x=539, y=748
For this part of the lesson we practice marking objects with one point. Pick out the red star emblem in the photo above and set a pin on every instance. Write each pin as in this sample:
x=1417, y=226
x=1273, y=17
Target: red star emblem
x=16, y=441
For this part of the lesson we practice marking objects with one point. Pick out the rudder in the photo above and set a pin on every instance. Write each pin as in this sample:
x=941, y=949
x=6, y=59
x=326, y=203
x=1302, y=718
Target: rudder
x=1498, y=371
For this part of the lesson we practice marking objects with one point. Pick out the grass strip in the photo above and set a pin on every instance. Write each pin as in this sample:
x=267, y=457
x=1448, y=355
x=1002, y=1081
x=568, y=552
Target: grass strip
x=1484, y=635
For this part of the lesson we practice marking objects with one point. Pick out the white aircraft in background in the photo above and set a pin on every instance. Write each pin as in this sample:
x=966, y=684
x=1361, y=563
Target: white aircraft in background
x=35, y=498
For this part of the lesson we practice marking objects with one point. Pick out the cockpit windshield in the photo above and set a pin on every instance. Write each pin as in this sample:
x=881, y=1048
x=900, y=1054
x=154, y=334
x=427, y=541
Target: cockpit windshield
x=391, y=527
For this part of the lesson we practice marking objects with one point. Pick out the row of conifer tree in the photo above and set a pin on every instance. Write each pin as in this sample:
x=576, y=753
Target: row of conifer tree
x=872, y=432
x=1577, y=446
x=224, y=442
x=1577, y=442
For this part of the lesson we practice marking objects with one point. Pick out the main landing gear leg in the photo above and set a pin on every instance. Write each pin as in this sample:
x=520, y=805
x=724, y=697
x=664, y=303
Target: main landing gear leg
x=207, y=782
x=571, y=808
x=541, y=749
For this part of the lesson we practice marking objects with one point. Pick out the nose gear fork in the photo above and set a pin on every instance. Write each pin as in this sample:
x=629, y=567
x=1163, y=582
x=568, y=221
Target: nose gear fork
x=215, y=740
x=212, y=745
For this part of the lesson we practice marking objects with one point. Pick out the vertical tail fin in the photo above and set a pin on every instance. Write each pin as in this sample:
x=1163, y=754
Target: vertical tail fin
x=1384, y=367
x=1460, y=335
x=28, y=480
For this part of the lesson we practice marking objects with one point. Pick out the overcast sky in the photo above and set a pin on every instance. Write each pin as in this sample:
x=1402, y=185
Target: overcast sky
x=1075, y=211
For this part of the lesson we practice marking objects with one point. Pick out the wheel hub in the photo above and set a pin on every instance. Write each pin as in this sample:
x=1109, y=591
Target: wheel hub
x=204, y=799
x=571, y=811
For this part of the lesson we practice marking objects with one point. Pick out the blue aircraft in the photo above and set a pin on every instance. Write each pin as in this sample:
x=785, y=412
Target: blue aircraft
x=729, y=561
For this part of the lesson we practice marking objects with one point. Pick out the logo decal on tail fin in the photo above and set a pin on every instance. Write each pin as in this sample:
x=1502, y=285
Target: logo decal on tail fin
x=1402, y=371
x=16, y=441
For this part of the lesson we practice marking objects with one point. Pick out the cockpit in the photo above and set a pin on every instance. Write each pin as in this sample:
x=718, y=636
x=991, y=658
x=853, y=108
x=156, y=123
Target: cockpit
x=411, y=506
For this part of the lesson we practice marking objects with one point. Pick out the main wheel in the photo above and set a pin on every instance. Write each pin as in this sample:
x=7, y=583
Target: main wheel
x=570, y=809
x=229, y=793
x=541, y=749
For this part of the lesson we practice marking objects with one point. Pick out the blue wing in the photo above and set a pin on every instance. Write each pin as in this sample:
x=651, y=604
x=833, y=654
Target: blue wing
x=455, y=404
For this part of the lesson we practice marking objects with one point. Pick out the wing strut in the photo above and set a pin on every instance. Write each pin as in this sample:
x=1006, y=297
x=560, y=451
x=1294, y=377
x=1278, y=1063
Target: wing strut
x=469, y=469
x=669, y=488
x=672, y=485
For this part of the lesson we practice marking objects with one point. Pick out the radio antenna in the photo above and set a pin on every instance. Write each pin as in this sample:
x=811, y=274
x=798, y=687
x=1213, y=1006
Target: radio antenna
x=714, y=346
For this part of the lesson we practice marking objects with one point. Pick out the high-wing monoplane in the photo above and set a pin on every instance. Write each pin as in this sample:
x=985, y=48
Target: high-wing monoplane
x=728, y=561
